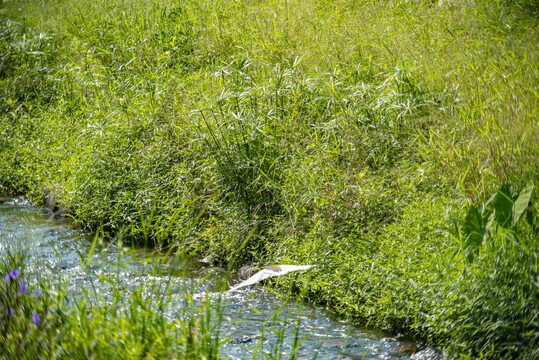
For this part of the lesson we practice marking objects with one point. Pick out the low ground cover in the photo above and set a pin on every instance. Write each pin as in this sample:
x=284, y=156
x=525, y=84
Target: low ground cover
x=355, y=135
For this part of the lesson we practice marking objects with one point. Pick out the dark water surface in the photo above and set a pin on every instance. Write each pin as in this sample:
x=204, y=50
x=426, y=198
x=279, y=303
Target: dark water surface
x=250, y=316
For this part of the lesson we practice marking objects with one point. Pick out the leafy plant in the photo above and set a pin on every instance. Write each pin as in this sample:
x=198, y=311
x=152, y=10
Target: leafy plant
x=501, y=213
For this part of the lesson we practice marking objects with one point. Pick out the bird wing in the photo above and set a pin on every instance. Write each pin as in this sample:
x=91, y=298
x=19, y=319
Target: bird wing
x=269, y=272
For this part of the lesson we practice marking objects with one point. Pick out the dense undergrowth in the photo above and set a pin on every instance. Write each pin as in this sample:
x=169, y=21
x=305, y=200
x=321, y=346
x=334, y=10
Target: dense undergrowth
x=356, y=135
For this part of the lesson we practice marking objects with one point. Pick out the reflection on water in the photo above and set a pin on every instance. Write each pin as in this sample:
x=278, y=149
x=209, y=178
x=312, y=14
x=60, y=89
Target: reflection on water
x=254, y=319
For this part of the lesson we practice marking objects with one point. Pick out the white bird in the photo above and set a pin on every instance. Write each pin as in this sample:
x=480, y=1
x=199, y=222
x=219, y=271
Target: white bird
x=269, y=271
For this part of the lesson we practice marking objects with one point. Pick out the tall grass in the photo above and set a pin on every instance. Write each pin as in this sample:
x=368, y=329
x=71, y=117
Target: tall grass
x=350, y=134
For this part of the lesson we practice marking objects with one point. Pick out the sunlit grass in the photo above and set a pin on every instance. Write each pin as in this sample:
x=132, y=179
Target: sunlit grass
x=349, y=134
x=42, y=319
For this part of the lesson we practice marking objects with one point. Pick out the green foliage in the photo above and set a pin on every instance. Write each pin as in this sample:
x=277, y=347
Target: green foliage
x=44, y=321
x=29, y=316
x=503, y=211
x=410, y=276
x=496, y=293
x=328, y=132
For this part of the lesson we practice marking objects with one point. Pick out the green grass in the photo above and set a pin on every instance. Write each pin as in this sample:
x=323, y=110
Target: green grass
x=47, y=321
x=351, y=134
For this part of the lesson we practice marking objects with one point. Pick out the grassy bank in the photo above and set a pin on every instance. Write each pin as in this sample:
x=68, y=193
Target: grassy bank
x=355, y=135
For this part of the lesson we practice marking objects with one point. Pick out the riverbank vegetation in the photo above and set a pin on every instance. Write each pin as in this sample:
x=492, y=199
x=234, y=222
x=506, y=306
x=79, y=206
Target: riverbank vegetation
x=392, y=143
x=42, y=320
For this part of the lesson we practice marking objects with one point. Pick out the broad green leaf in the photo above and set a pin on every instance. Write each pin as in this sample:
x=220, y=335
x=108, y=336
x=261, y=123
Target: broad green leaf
x=521, y=203
x=503, y=205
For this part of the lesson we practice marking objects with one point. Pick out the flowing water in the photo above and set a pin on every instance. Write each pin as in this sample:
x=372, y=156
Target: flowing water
x=252, y=317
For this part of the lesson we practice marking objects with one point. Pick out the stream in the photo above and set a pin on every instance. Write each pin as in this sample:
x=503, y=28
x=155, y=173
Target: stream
x=57, y=247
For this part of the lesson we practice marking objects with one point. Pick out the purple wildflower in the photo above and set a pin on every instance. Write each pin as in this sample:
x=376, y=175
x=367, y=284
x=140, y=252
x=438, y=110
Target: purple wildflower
x=112, y=342
x=38, y=293
x=24, y=289
x=7, y=277
x=36, y=318
x=14, y=274
x=10, y=311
